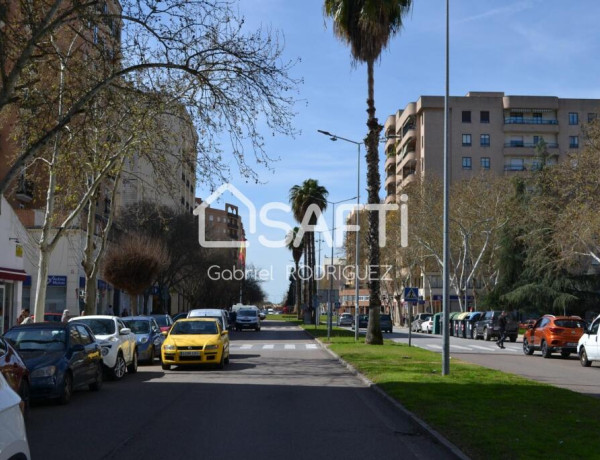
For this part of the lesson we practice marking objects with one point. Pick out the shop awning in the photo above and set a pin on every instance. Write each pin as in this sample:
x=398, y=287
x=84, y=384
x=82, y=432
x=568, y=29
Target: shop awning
x=13, y=274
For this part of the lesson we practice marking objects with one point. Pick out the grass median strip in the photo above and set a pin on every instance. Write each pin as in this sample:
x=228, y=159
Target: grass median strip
x=486, y=413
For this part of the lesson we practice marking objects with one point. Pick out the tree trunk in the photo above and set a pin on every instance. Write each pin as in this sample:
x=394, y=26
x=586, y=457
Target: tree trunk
x=298, y=286
x=41, y=284
x=374, y=335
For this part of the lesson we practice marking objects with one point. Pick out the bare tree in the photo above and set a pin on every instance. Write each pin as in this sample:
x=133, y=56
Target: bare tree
x=134, y=263
x=196, y=52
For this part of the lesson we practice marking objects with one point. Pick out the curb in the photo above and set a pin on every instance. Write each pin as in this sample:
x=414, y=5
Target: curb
x=427, y=428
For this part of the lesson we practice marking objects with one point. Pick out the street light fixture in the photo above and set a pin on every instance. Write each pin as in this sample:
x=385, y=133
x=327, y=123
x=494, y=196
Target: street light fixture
x=329, y=294
x=335, y=137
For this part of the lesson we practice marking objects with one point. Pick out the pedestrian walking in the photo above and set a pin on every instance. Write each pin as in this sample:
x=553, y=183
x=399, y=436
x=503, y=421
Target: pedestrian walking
x=502, y=329
x=24, y=314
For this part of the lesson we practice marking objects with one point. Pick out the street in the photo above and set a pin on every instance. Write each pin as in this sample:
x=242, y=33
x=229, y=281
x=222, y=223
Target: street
x=281, y=396
x=564, y=373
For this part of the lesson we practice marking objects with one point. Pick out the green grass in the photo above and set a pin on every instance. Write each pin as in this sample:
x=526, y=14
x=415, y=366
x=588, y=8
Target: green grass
x=486, y=413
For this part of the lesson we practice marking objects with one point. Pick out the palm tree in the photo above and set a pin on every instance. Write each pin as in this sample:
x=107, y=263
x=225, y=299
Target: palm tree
x=367, y=26
x=297, y=251
x=302, y=198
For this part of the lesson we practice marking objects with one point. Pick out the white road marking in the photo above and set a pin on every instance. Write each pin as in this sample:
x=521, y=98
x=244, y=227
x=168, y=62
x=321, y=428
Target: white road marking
x=268, y=346
x=290, y=346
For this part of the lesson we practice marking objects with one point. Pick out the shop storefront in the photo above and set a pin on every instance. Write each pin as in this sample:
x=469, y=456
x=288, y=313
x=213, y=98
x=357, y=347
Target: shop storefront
x=56, y=294
x=10, y=296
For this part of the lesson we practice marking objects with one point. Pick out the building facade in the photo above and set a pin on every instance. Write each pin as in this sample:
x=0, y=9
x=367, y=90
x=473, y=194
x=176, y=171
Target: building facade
x=487, y=131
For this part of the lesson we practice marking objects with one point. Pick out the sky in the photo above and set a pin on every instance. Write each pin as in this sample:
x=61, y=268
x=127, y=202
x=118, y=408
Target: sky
x=519, y=47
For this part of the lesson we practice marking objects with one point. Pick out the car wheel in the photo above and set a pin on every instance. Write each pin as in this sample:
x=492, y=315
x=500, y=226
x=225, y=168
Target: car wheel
x=227, y=359
x=513, y=338
x=583, y=358
x=546, y=353
x=565, y=354
x=486, y=334
x=165, y=367
x=221, y=364
x=132, y=368
x=97, y=384
x=119, y=370
x=528, y=350
x=67, y=389
x=24, y=394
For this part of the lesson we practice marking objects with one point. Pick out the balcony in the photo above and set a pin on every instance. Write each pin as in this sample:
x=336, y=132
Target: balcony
x=409, y=159
x=409, y=177
x=528, y=121
x=24, y=190
x=515, y=168
x=390, y=179
x=529, y=145
x=390, y=162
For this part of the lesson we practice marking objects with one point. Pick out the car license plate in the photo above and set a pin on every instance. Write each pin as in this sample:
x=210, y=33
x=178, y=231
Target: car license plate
x=571, y=344
x=189, y=353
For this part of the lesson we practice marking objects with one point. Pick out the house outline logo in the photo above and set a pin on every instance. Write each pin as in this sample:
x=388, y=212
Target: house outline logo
x=200, y=211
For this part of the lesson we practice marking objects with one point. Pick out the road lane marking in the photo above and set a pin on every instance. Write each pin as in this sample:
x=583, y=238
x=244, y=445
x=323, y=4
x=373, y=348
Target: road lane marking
x=460, y=347
x=290, y=346
x=268, y=346
x=245, y=347
x=311, y=346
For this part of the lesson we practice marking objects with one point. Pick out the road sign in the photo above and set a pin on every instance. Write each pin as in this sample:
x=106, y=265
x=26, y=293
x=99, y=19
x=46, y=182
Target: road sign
x=411, y=294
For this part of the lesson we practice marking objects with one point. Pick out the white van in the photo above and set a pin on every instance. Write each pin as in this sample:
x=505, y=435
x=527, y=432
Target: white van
x=220, y=315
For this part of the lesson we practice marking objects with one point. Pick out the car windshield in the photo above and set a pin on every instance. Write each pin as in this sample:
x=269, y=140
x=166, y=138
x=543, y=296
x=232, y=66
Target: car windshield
x=99, y=326
x=38, y=339
x=194, y=328
x=572, y=323
x=162, y=320
x=138, y=326
x=385, y=317
x=251, y=313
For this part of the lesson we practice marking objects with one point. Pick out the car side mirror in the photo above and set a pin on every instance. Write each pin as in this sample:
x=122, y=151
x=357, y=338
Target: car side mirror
x=125, y=331
x=224, y=332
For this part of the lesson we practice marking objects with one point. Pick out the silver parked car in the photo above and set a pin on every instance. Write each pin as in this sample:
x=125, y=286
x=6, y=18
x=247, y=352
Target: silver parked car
x=345, y=319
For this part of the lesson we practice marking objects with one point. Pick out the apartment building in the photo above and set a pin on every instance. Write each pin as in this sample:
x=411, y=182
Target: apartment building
x=487, y=131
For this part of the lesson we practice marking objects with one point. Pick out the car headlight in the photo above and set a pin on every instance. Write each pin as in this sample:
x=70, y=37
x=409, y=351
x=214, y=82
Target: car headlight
x=47, y=371
x=144, y=339
x=105, y=351
x=113, y=339
x=211, y=347
x=169, y=347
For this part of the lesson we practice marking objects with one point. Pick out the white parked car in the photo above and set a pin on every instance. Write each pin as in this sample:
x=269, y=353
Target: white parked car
x=216, y=313
x=588, y=347
x=427, y=326
x=119, y=350
x=13, y=438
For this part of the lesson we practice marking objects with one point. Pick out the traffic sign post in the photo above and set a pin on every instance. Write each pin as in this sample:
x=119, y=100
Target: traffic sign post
x=411, y=296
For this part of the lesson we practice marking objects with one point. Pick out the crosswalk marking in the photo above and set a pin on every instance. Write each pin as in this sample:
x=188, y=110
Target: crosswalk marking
x=290, y=346
x=479, y=347
x=245, y=347
x=311, y=346
x=460, y=347
x=268, y=346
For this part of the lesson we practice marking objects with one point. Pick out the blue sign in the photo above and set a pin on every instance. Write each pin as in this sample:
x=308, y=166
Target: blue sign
x=54, y=280
x=411, y=294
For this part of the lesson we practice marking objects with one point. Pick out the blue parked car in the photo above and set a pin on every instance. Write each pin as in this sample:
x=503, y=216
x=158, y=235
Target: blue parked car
x=148, y=336
x=60, y=357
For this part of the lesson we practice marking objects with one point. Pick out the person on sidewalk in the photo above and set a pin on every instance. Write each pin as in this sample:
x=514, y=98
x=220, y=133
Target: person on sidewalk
x=24, y=314
x=502, y=329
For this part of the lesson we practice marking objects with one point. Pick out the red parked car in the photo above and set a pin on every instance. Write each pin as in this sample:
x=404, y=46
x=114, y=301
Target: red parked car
x=15, y=372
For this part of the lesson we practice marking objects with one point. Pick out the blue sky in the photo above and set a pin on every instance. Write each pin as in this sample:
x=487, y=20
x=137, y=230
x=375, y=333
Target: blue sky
x=538, y=47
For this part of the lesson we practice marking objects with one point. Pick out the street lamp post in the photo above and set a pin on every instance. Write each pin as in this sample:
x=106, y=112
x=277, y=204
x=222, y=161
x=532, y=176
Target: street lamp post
x=335, y=137
x=330, y=292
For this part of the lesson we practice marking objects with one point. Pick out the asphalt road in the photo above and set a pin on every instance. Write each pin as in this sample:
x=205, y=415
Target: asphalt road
x=564, y=373
x=281, y=397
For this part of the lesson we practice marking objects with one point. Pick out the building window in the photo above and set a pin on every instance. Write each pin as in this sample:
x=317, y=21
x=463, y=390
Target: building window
x=211, y=218
x=484, y=116
x=466, y=116
x=537, y=118
x=485, y=162
x=573, y=142
x=484, y=140
x=592, y=117
x=466, y=162
x=466, y=140
x=573, y=118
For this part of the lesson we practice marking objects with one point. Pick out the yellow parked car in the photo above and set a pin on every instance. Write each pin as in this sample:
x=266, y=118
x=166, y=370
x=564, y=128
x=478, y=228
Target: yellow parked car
x=194, y=341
